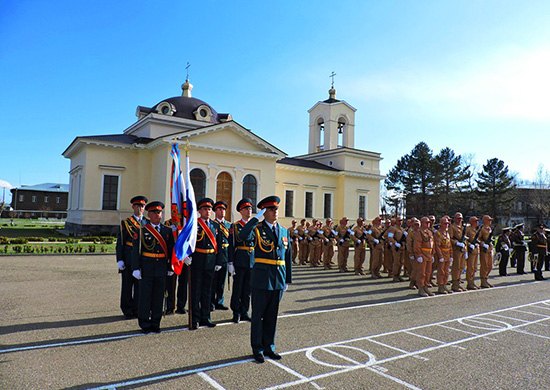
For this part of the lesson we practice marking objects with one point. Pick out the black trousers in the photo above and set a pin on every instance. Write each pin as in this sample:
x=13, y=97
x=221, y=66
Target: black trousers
x=218, y=285
x=171, y=293
x=129, y=293
x=151, y=298
x=265, y=307
x=240, y=298
x=504, y=255
x=201, y=290
x=520, y=258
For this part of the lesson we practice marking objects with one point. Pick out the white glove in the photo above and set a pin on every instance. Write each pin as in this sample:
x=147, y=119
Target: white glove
x=460, y=244
x=420, y=259
x=310, y=239
x=411, y=257
x=351, y=233
x=390, y=235
x=326, y=239
x=174, y=228
x=341, y=240
x=260, y=213
x=137, y=274
x=187, y=260
x=398, y=245
x=472, y=247
x=291, y=240
x=121, y=265
x=306, y=231
x=170, y=273
x=505, y=247
x=441, y=260
x=369, y=232
x=286, y=287
x=300, y=238
x=451, y=259
x=217, y=268
x=466, y=255
x=231, y=269
x=334, y=232
x=358, y=241
x=486, y=246
x=376, y=241
x=406, y=234
x=295, y=231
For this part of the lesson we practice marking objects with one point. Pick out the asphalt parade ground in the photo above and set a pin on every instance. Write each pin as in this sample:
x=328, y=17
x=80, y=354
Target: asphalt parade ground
x=61, y=328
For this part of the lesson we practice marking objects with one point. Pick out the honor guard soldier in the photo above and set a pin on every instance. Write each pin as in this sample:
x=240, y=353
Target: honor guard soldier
x=204, y=262
x=415, y=226
x=151, y=261
x=457, y=231
x=271, y=274
x=303, y=243
x=539, y=244
x=315, y=245
x=344, y=233
x=360, y=249
x=397, y=246
x=472, y=237
x=294, y=238
x=129, y=292
x=442, y=244
x=486, y=251
x=220, y=271
x=503, y=247
x=328, y=244
x=241, y=261
x=387, y=259
x=520, y=248
x=377, y=244
x=424, y=252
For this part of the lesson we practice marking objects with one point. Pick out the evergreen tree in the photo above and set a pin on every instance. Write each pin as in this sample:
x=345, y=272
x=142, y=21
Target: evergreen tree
x=494, y=184
x=451, y=179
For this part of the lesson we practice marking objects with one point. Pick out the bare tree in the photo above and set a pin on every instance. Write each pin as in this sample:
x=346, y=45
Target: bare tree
x=539, y=198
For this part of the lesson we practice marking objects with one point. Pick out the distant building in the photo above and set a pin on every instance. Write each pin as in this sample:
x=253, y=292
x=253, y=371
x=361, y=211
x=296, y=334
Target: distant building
x=47, y=200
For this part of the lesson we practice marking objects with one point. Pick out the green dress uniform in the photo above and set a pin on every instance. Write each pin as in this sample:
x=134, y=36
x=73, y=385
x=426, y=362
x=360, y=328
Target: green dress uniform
x=153, y=257
x=271, y=272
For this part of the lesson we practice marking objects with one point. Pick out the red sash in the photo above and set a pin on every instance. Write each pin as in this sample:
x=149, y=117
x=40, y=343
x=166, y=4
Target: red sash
x=241, y=222
x=208, y=233
x=224, y=230
x=159, y=238
x=131, y=221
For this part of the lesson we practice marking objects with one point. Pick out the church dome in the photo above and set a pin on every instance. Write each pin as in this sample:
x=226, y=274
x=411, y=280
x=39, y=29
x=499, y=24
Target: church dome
x=188, y=108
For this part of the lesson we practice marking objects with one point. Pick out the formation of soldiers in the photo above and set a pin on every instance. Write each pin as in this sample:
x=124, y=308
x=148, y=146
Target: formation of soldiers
x=429, y=254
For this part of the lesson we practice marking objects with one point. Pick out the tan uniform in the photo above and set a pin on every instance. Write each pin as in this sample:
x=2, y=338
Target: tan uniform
x=377, y=250
x=485, y=254
x=360, y=250
x=328, y=246
x=423, y=249
x=315, y=246
x=411, y=257
x=303, y=244
x=473, y=254
x=343, y=247
x=293, y=234
x=443, y=251
x=397, y=250
x=388, y=259
x=459, y=254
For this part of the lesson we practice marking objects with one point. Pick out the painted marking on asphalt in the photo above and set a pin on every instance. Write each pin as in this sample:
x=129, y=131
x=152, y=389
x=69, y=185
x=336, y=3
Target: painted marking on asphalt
x=424, y=337
x=531, y=334
x=295, y=373
x=400, y=381
x=509, y=318
x=211, y=381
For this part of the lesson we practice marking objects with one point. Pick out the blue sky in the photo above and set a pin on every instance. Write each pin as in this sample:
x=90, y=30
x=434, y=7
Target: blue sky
x=471, y=75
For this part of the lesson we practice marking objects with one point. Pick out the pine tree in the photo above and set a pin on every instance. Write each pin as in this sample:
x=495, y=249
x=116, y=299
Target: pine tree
x=451, y=179
x=494, y=184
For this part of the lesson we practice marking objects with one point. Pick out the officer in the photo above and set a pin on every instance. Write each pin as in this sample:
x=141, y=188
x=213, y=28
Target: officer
x=539, y=244
x=424, y=252
x=220, y=270
x=520, y=248
x=271, y=274
x=294, y=238
x=457, y=231
x=360, y=249
x=241, y=260
x=486, y=251
x=203, y=265
x=129, y=292
x=343, y=234
x=443, y=253
x=151, y=260
x=503, y=247
x=328, y=244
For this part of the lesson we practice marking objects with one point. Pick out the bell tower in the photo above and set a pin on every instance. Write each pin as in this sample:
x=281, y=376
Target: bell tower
x=331, y=124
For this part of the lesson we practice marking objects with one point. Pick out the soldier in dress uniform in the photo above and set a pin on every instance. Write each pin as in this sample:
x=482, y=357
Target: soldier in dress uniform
x=457, y=231
x=503, y=247
x=241, y=261
x=303, y=243
x=343, y=234
x=396, y=238
x=171, y=278
x=407, y=265
x=360, y=249
x=129, y=292
x=431, y=226
x=443, y=253
x=294, y=239
x=328, y=244
x=486, y=251
x=203, y=265
x=151, y=261
x=271, y=274
x=315, y=245
x=520, y=248
x=387, y=260
x=539, y=243
x=220, y=270
x=377, y=244
x=424, y=252
x=472, y=236
x=415, y=226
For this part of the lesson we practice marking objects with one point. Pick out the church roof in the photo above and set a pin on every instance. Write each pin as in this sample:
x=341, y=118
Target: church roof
x=305, y=164
x=119, y=138
x=186, y=107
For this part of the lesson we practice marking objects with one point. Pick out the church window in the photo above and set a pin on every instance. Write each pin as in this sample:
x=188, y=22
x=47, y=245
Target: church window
x=198, y=181
x=309, y=205
x=110, y=192
x=327, y=207
x=362, y=206
x=321, y=134
x=289, y=203
x=203, y=113
x=166, y=108
x=224, y=188
x=250, y=190
x=341, y=130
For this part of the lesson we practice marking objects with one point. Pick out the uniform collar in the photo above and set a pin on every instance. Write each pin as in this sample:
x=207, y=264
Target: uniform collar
x=270, y=224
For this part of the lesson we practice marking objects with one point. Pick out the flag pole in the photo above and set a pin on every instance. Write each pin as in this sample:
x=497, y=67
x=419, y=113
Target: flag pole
x=189, y=295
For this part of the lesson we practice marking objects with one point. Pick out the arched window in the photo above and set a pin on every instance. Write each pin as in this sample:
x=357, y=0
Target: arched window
x=224, y=189
x=250, y=190
x=341, y=130
x=321, y=134
x=198, y=180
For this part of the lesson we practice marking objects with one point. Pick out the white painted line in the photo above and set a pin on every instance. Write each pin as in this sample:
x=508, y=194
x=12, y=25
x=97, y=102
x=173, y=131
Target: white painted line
x=530, y=312
x=424, y=337
x=291, y=371
x=211, y=381
x=386, y=345
x=400, y=381
x=509, y=318
x=531, y=334
x=456, y=329
x=341, y=356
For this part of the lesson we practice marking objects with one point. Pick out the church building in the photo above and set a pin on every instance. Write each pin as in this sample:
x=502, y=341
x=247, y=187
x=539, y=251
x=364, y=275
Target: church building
x=227, y=162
